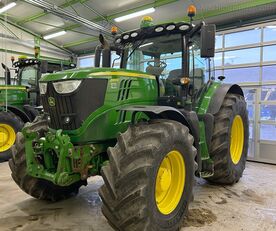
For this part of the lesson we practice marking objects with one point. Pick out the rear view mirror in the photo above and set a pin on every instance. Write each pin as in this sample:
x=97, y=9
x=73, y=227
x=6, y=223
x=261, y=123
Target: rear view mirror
x=207, y=41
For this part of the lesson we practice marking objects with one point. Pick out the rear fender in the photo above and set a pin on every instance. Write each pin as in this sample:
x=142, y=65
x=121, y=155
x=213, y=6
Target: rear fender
x=21, y=114
x=219, y=95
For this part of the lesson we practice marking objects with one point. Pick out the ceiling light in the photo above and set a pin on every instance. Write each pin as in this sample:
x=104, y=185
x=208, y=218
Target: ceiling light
x=54, y=35
x=146, y=44
x=134, y=15
x=7, y=7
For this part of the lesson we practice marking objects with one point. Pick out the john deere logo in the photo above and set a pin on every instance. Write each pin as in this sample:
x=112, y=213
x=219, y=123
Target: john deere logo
x=51, y=101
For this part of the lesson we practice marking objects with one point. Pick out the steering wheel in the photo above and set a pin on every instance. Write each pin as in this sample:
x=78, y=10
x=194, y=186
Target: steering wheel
x=160, y=64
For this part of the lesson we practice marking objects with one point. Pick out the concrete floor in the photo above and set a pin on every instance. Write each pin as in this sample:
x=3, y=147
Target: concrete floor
x=249, y=205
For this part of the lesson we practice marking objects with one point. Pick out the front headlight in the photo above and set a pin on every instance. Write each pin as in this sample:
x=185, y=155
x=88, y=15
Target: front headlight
x=66, y=87
x=43, y=88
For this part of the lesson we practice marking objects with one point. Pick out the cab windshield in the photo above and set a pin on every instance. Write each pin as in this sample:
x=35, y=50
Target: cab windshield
x=28, y=75
x=162, y=56
x=153, y=51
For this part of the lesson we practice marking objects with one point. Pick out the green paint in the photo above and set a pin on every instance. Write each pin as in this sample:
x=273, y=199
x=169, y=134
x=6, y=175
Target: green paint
x=84, y=145
x=16, y=97
x=204, y=102
x=74, y=162
x=72, y=155
x=79, y=42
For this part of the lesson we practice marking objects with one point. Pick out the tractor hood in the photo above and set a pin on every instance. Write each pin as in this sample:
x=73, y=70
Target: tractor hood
x=82, y=73
x=14, y=95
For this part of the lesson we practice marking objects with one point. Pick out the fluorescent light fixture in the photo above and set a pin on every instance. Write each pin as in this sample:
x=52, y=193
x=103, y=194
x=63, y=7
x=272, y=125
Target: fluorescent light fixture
x=146, y=44
x=63, y=32
x=7, y=7
x=134, y=15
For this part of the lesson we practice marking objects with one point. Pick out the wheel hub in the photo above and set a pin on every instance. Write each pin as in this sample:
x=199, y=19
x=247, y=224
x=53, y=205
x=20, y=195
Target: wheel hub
x=164, y=180
x=237, y=139
x=170, y=182
x=7, y=137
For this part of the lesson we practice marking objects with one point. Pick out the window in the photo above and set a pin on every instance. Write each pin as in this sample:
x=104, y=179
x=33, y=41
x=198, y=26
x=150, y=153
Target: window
x=219, y=40
x=269, y=73
x=28, y=75
x=249, y=94
x=86, y=62
x=269, y=54
x=269, y=93
x=244, y=60
x=268, y=112
x=243, y=38
x=218, y=59
x=250, y=74
x=270, y=33
x=268, y=132
x=251, y=111
x=244, y=56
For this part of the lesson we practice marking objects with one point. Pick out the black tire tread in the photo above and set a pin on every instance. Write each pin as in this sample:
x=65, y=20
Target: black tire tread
x=124, y=193
x=17, y=124
x=37, y=188
x=225, y=173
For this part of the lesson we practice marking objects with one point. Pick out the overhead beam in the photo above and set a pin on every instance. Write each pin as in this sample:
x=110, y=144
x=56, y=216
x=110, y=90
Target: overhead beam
x=156, y=4
x=31, y=55
x=39, y=15
x=200, y=15
x=36, y=35
x=63, y=13
x=79, y=42
x=228, y=9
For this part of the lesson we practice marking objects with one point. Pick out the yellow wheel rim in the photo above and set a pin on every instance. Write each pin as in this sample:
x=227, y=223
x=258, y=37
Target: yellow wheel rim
x=7, y=137
x=170, y=182
x=237, y=139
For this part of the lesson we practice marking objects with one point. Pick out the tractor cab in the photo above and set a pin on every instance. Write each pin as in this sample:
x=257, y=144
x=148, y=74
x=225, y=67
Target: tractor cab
x=28, y=72
x=177, y=54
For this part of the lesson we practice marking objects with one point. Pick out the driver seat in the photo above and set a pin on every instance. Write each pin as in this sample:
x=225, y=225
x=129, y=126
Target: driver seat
x=198, y=75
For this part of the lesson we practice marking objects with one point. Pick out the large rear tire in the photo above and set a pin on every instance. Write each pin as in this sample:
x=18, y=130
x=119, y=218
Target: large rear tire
x=37, y=188
x=230, y=140
x=150, y=177
x=10, y=124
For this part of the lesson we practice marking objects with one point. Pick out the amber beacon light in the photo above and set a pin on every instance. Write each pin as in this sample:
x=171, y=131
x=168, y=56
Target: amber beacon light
x=191, y=11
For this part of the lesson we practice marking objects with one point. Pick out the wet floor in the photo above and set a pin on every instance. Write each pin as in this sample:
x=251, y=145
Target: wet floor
x=249, y=205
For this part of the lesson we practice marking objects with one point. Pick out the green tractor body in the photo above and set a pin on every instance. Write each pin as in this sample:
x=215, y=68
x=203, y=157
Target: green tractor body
x=146, y=113
x=15, y=95
x=20, y=99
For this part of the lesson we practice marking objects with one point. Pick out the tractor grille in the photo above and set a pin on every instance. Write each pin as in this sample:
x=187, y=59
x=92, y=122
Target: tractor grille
x=76, y=106
x=124, y=90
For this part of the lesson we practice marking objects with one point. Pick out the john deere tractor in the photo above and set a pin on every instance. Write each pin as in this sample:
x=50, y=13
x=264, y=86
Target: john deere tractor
x=147, y=127
x=20, y=97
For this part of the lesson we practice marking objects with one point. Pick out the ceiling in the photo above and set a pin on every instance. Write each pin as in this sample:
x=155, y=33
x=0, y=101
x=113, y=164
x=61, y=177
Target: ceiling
x=80, y=39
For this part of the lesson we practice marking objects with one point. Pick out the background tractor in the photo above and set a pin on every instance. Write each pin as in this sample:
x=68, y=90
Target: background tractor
x=147, y=136
x=19, y=97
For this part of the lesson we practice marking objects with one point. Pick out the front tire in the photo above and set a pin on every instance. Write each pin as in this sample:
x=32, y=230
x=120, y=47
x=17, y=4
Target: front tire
x=10, y=124
x=150, y=177
x=230, y=140
x=37, y=188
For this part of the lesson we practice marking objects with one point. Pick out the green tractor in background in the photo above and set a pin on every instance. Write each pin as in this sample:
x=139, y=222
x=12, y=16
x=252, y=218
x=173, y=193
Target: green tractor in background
x=20, y=98
x=147, y=132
